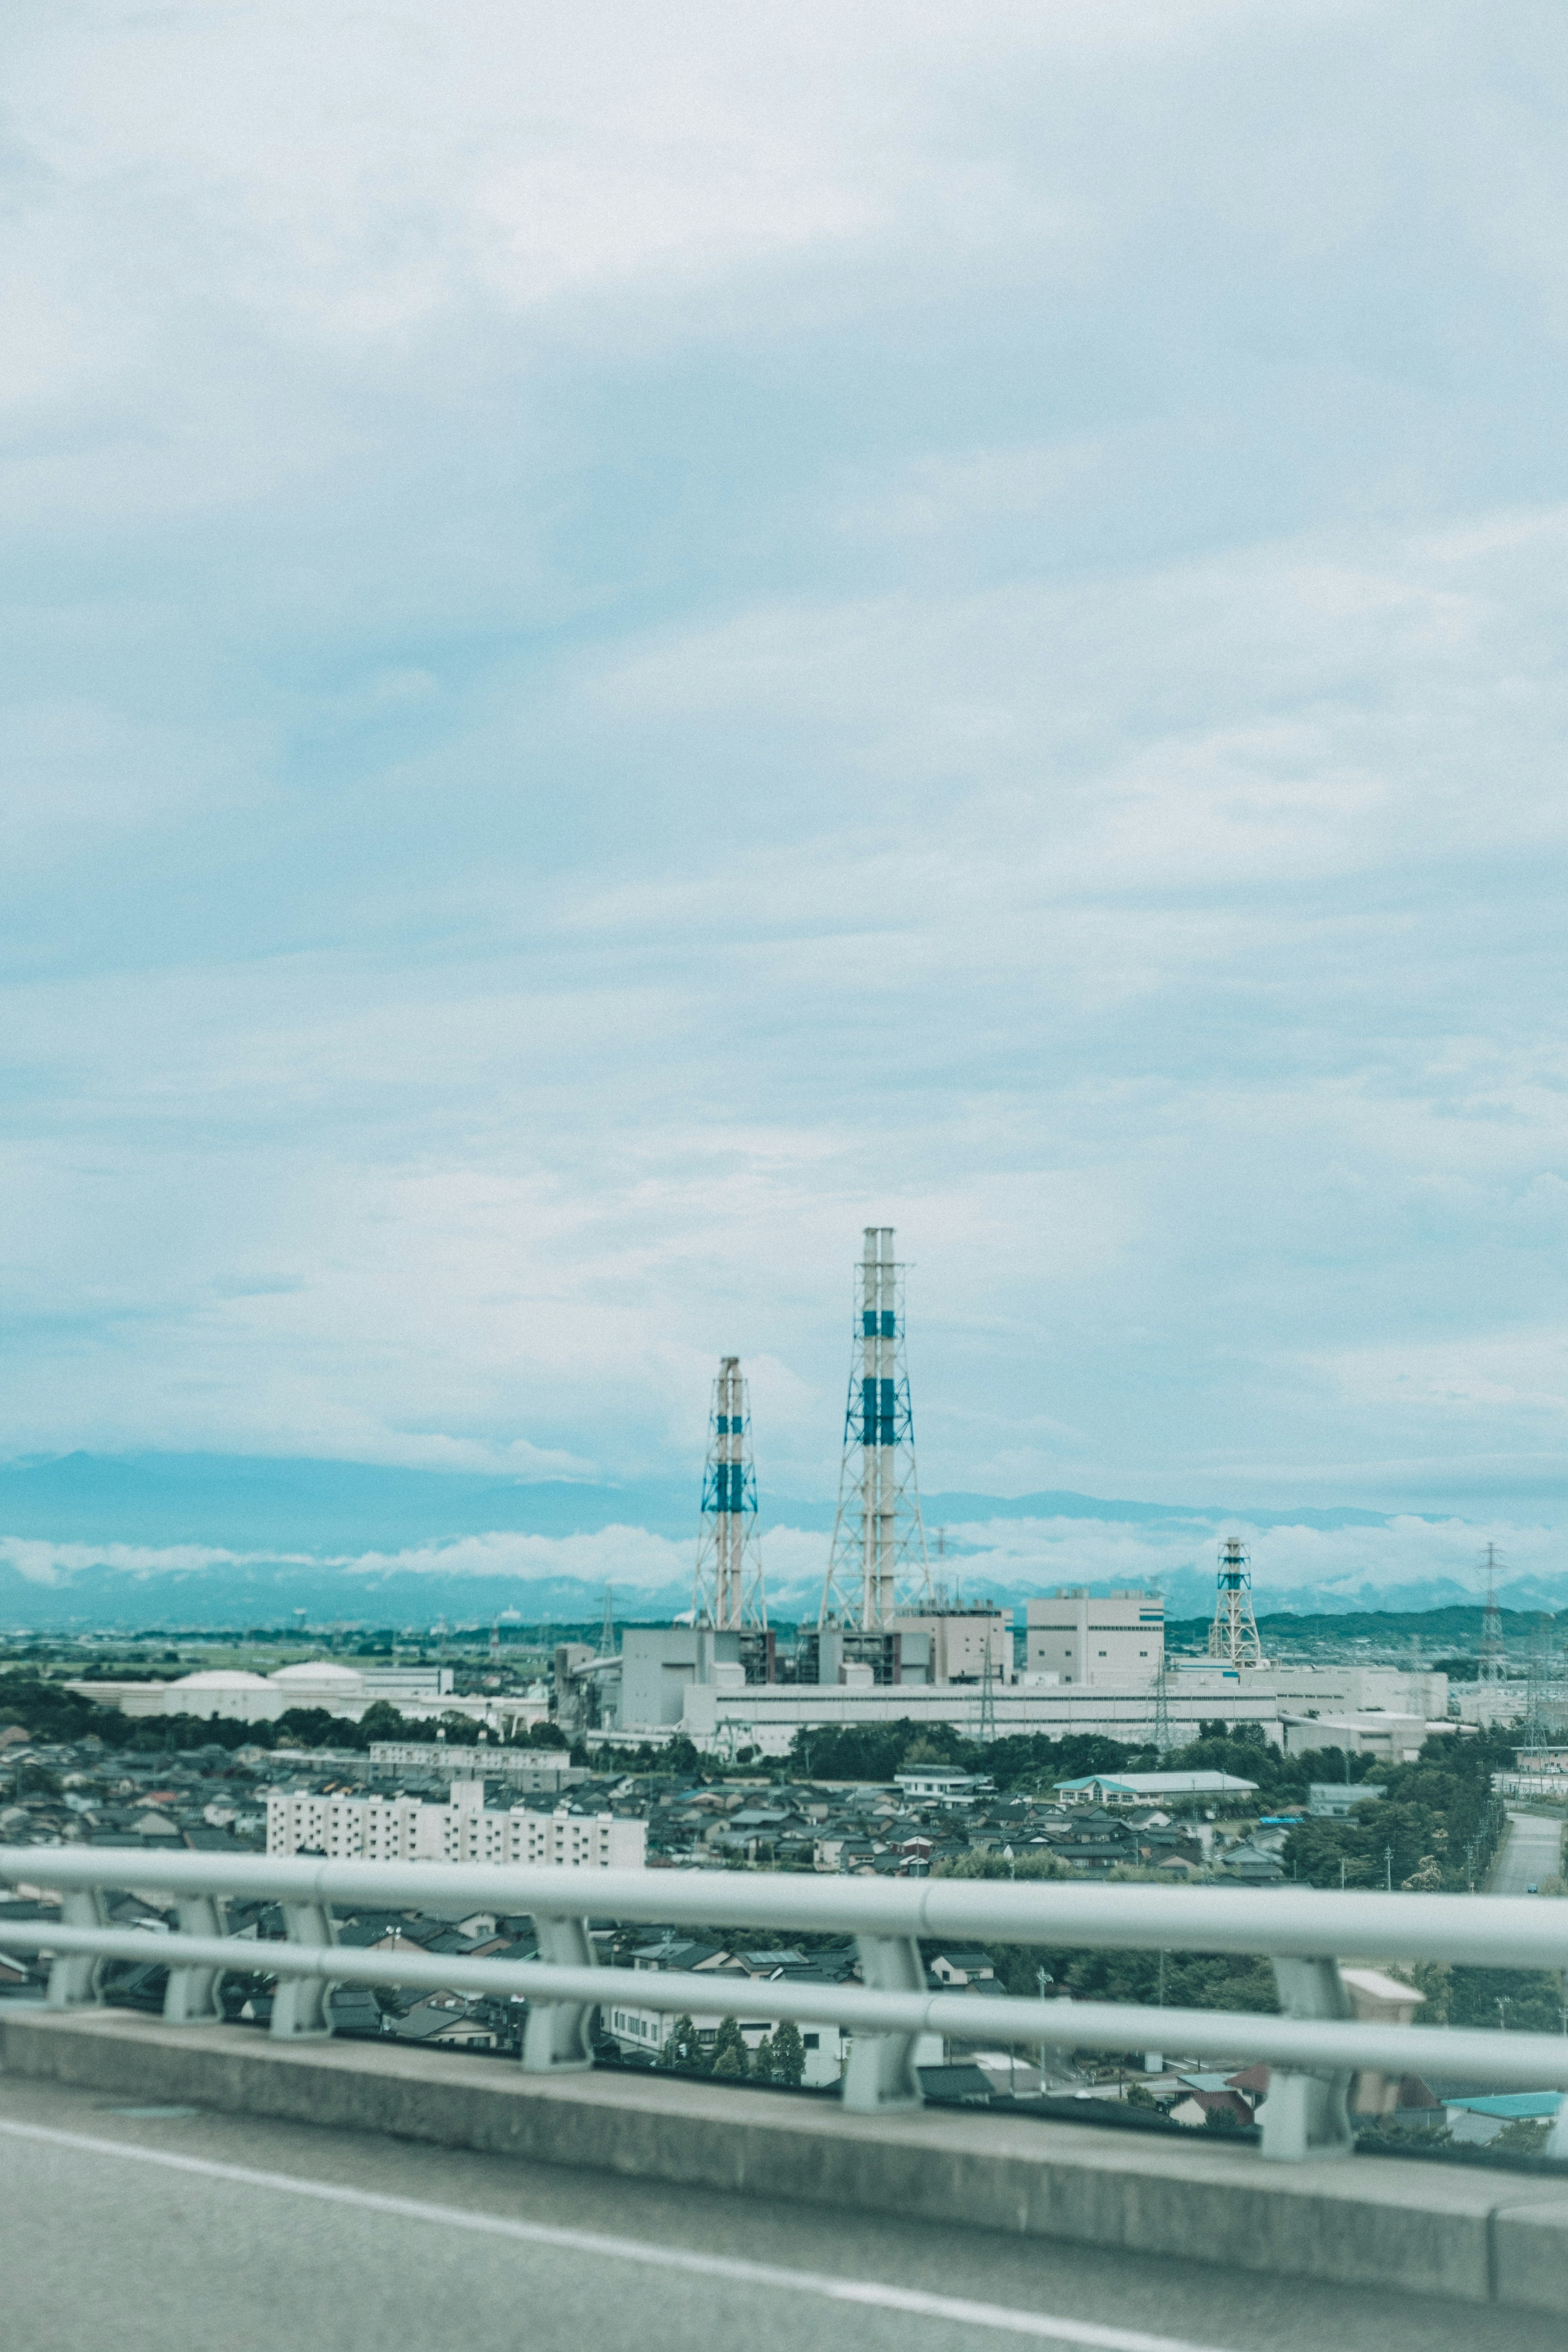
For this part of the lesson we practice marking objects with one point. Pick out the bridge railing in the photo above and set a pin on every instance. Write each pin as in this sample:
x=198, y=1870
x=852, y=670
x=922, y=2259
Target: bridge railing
x=1314, y=2047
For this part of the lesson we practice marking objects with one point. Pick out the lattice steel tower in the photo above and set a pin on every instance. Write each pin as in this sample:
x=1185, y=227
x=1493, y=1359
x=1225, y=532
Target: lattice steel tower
x=1233, y=1636
x=728, y=1589
x=1494, y=1650
x=877, y=1565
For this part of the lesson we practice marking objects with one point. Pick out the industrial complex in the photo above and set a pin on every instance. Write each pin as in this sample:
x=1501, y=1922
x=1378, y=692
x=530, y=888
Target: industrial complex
x=889, y=1645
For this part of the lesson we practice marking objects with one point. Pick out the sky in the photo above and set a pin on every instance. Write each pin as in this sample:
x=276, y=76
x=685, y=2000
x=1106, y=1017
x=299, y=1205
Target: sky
x=632, y=639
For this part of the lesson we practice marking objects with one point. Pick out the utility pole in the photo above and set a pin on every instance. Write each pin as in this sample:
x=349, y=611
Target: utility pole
x=878, y=1561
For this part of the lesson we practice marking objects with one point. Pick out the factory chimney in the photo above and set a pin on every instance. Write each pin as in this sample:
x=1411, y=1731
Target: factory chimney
x=728, y=1591
x=877, y=1565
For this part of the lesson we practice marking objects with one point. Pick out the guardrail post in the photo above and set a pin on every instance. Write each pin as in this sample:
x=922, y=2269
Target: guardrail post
x=73, y=1976
x=1308, y=2115
x=555, y=2036
x=192, y=1997
x=299, y=2007
x=880, y=2073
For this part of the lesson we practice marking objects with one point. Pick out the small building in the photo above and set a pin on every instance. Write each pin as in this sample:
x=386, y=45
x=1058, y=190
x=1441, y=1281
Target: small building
x=1331, y=1800
x=956, y=1968
x=938, y=1784
x=1138, y=1787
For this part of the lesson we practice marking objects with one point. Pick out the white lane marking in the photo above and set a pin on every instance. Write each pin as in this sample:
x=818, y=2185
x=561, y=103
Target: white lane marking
x=631, y=2249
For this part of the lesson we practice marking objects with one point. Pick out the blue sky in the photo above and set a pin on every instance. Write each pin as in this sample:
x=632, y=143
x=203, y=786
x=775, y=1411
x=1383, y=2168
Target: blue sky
x=634, y=638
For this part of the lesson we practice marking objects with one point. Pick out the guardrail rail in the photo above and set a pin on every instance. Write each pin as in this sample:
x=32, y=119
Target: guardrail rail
x=1314, y=2047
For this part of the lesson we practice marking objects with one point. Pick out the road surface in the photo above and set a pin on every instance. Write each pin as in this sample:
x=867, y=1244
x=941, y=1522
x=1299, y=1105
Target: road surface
x=142, y=2229
x=1532, y=1851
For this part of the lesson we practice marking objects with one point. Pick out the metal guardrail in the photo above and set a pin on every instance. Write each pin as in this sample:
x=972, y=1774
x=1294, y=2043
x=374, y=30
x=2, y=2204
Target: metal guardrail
x=1314, y=2047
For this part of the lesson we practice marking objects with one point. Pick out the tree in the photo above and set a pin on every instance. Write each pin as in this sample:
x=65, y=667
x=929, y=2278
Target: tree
x=730, y=2040
x=312, y=1726
x=682, y=2048
x=981, y=1863
x=729, y=2063
x=789, y=2054
x=381, y=1720
x=762, y=2061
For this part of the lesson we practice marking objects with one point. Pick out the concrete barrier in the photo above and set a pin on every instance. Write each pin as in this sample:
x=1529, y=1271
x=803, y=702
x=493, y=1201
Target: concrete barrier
x=1482, y=2236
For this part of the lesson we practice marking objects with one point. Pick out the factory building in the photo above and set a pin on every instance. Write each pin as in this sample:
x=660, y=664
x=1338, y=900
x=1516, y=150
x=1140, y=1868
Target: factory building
x=1096, y=1638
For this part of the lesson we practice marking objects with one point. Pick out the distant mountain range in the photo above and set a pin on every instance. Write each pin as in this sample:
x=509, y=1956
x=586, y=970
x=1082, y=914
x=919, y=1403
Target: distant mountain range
x=190, y=1541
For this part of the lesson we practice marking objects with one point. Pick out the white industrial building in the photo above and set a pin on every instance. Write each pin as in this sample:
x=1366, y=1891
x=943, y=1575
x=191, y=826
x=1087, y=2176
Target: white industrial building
x=721, y=1717
x=234, y=1695
x=932, y=1669
x=1394, y=1739
x=412, y=1828
x=1079, y=1637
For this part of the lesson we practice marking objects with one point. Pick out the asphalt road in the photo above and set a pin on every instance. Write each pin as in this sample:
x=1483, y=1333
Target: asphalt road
x=1531, y=1852
x=170, y=2230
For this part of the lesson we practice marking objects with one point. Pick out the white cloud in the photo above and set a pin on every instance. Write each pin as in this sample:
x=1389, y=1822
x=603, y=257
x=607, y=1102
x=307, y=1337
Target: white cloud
x=43, y=1562
x=1323, y=1565
x=636, y=640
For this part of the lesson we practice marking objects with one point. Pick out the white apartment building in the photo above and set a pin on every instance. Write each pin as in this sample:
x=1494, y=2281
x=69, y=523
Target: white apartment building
x=1086, y=1638
x=410, y=1829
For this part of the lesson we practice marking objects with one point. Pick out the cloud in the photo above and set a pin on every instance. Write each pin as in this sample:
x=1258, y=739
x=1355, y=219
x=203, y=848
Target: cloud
x=623, y=1556
x=632, y=644
x=1302, y=1565
x=43, y=1562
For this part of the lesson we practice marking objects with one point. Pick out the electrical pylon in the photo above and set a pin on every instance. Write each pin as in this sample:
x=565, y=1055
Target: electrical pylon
x=877, y=1564
x=1233, y=1636
x=1493, y=1650
x=728, y=1591
x=986, y=1729
x=1163, y=1740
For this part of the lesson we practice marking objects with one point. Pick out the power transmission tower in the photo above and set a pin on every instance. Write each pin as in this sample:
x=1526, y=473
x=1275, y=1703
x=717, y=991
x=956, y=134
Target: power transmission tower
x=987, y=1724
x=729, y=1592
x=1544, y=1705
x=1233, y=1636
x=877, y=1564
x=1493, y=1653
x=1163, y=1740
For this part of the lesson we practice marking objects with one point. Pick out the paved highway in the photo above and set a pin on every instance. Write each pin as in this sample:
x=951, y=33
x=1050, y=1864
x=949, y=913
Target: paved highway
x=142, y=2229
x=1531, y=1852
